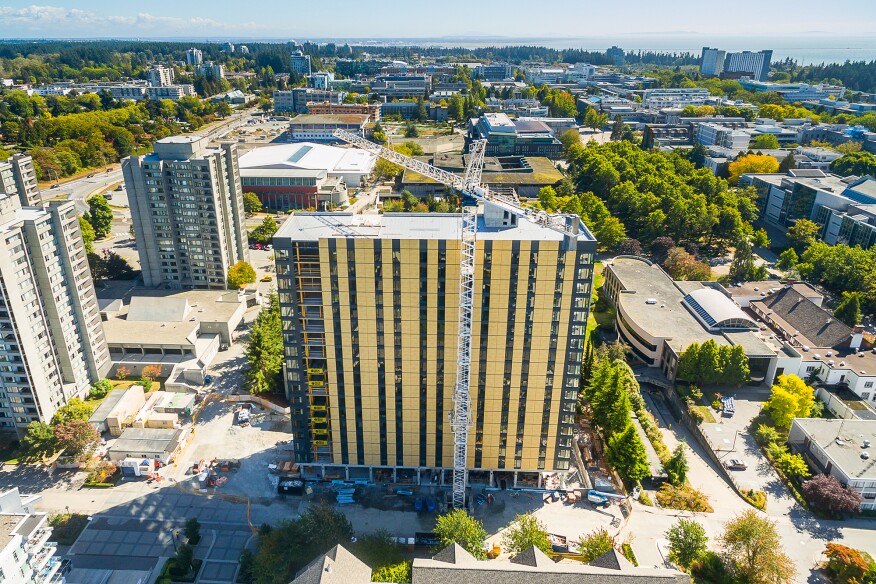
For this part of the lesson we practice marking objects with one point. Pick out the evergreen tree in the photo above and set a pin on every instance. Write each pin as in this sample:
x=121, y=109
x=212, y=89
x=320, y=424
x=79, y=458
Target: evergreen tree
x=626, y=453
x=709, y=363
x=676, y=467
x=849, y=310
x=735, y=369
x=788, y=163
x=617, y=130
x=264, y=350
x=689, y=364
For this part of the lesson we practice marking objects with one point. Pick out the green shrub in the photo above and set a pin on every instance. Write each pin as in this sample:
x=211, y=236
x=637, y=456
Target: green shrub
x=716, y=405
x=684, y=498
x=645, y=499
x=755, y=498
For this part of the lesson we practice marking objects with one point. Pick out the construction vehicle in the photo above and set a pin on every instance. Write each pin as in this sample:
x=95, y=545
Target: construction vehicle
x=500, y=210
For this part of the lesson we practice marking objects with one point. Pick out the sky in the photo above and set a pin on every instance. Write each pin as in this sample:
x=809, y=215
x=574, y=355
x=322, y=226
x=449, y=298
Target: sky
x=515, y=19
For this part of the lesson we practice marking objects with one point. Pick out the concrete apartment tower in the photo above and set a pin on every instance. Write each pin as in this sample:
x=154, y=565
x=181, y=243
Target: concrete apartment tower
x=18, y=177
x=369, y=305
x=187, y=208
x=52, y=345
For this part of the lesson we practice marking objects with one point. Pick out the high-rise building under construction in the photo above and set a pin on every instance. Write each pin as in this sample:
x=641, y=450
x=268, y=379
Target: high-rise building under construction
x=369, y=307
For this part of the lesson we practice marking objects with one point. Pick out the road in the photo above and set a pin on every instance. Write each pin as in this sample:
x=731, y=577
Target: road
x=804, y=536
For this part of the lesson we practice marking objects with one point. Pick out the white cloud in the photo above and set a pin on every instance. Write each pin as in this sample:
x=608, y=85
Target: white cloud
x=37, y=17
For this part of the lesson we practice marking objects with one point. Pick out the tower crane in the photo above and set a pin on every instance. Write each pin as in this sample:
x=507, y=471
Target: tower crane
x=469, y=185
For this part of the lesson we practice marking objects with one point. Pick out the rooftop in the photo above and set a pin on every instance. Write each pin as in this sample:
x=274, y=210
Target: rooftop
x=190, y=139
x=843, y=442
x=764, y=287
x=667, y=317
x=307, y=156
x=438, y=226
x=328, y=119
x=535, y=170
x=717, y=310
x=147, y=440
x=811, y=325
x=168, y=317
x=8, y=521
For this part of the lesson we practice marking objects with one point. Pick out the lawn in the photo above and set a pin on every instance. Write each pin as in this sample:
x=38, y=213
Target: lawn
x=9, y=453
x=706, y=411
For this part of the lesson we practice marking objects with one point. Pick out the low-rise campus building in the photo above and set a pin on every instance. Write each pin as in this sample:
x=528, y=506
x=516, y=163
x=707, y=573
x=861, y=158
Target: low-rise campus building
x=303, y=175
x=455, y=565
x=321, y=127
x=841, y=448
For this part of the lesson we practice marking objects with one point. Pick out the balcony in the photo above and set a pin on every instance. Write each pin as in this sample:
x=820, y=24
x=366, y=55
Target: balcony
x=39, y=537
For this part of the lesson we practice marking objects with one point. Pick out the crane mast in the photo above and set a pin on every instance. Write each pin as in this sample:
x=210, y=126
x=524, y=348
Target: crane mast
x=468, y=185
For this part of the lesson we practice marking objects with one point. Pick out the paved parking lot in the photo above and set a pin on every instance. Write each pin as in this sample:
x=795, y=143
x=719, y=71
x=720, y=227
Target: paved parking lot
x=731, y=439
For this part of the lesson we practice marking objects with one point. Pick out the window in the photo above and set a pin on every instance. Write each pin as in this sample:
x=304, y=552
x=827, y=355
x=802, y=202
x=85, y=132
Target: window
x=868, y=384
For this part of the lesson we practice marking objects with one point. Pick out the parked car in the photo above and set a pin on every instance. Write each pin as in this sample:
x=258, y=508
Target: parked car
x=56, y=186
x=735, y=464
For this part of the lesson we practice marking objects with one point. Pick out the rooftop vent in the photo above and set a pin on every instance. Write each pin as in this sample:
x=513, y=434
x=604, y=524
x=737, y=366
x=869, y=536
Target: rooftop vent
x=863, y=372
x=842, y=363
x=829, y=320
x=831, y=362
x=829, y=353
x=817, y=356
x=756, y=288
x=865, y=455
x=840, y=441
x=805, y=348
x=866, y=443
x=651, y=301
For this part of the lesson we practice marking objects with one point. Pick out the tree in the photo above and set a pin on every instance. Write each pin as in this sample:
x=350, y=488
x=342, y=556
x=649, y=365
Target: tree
x=525, y=532
x=760, y=238
x=788, y=163
x=752, y=164
x=792, y=466
x=683, y=266
x=151, y=372
x=594, y=544
x=627, y=455
x=411, y=131
x=75, y=409
x=100, y=215
x=742, y=268
x=752, y=549
x=855, y=163
x=687, y=542
x=660, y=248
x=610, y=401
x=252, y=203
x=790, y=398
x=676, y=467
x=88, y=235
x=766, y=435
x=182, y=562
x=239, y=275
x=570, y=138
x=192, y=530
x=100, y=389
x=849, y=566
x=265, y=231
x=787, y=259
x=764, y=142
x=457, y=526
x=400, y=573
x=77, y=438
x=849, y=309
x=617, y=129
x=802, y=233
x=264, y=350
x=734, y=365
x=828, y=494
x=223, y=110
x=39, y=441
x=630, y=247
x=609, y=233
x=122, y=372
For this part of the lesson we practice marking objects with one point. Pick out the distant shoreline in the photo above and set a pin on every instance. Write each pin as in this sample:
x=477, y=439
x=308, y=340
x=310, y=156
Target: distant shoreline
x=821, y=48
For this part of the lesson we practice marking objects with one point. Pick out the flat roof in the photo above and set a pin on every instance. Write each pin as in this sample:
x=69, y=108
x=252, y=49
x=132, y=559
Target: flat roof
x=667, y=318
x=179, y=328
x=329, y=119
x=307, y=156
x=108, y=405
x=765, y=287
x=136, y=440
x=180, y=139
x=438, y=226
x=842, y=441
x=541, y=171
